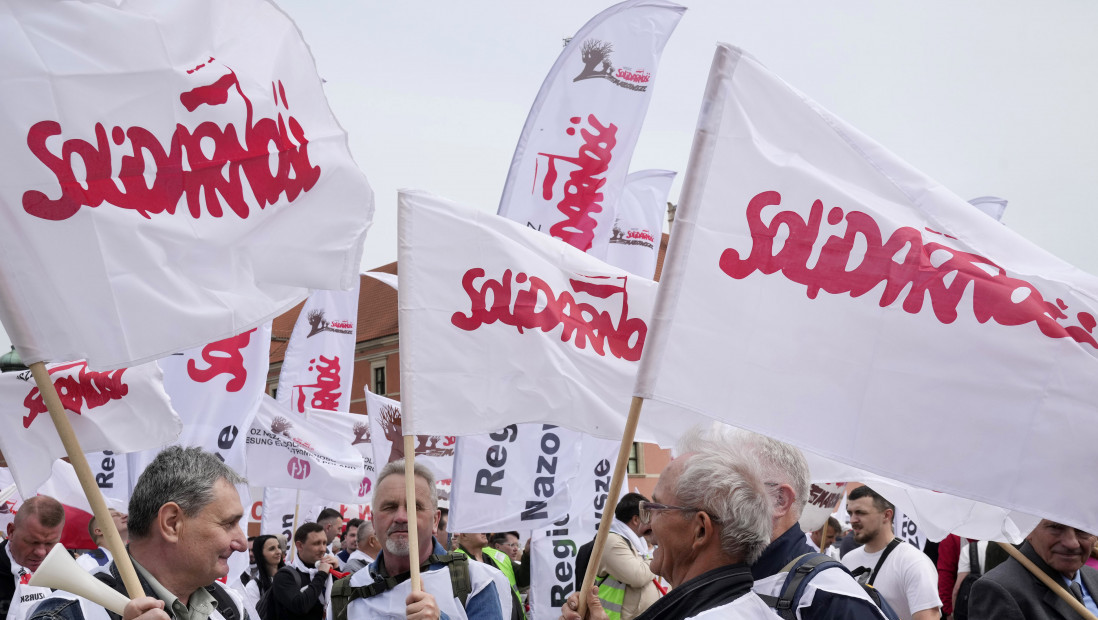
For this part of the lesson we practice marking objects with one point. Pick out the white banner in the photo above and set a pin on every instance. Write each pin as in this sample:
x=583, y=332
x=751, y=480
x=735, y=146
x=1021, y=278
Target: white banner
x=121, y=410
x=320, y=356
x=638, y=226
x=279, y=508
x=507, y=326
x=112, y=475
x=516, y=479
x=173, y=180
x=310, y=451
x=850, y=287
x=823, y=498
x=386, y=436
x=573, y=155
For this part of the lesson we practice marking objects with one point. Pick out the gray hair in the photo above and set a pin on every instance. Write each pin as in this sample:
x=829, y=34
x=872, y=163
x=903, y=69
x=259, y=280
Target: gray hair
x=778, y=461
x=185, y=476
x=420, y=470
x=365, y=530
x=728, y=487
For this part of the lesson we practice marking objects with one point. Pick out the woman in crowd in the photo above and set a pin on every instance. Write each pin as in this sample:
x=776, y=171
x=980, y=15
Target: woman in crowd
x=268, y=559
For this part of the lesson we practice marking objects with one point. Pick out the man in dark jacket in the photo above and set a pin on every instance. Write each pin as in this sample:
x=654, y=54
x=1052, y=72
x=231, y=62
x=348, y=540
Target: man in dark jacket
x=1011, y=592
x=301, y=588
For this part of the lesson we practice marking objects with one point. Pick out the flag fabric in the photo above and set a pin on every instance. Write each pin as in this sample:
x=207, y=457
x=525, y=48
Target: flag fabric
x=573, y=154
x=385, y=436
x=320, y=356
x=122, y=410
x=823, y=498
x=280, y=506
x=389, y=279
x=310, y=451
x=502, y=325
x=171, y=181
x=215, y=389
x=638, y=225
x=62, y=485
x=111, y=473
x=813, y=275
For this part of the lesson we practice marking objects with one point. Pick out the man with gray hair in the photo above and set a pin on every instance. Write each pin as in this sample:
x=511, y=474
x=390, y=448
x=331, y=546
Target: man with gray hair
x=184, y=523
x=368, y=547
x=450, y=582
x=711, y=518
x=828, y=593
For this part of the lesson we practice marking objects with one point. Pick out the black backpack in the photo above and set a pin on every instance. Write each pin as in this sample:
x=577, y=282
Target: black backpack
x=960, y=608
x=225, y=604
x=801, y=570
x=264, y=607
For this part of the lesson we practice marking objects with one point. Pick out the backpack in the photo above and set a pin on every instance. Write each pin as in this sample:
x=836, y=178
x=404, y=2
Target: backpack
x=264, y=607
x=458, y=565
x=802, y=570
x=960, y=608
x=226, y=606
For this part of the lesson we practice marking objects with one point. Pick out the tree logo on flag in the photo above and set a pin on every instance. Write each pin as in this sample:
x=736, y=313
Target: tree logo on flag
x=362, y=433
x=426, y=445
x=318, y=324
x=281, y=426
x=595, y=55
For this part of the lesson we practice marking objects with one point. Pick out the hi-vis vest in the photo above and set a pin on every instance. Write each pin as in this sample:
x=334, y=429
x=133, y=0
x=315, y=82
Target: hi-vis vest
x=503, y=563
x=612, y=595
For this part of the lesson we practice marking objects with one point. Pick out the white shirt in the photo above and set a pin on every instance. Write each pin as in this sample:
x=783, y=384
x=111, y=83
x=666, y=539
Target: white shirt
x=26, y=596
x=908, y=579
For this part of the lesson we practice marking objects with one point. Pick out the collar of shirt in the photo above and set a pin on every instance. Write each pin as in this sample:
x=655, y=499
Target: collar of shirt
x=200, y=606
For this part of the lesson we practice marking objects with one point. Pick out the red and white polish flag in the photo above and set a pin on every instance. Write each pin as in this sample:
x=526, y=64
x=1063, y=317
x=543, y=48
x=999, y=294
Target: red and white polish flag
x=573, y=154
x=813, y=275
x=122, y=410
x=173, y=180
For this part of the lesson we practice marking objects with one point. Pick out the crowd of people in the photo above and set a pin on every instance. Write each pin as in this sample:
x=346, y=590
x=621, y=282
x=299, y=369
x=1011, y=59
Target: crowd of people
x=720, y=538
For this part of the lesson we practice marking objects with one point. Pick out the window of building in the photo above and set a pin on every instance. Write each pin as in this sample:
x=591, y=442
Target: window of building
x=378, y=385
x=636, y=459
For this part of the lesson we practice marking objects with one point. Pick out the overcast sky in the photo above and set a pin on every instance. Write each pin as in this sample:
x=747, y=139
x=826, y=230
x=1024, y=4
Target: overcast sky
x=987, y=97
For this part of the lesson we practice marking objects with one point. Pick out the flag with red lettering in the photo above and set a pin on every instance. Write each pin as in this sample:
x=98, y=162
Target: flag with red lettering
x=813, y=275
x=502, y=325
x=638, y=225
x=320, y=356
x=122, y=410
x=573, y=154
x=386, y=436
x=175, y=179
x=215, y=389
x=315, y=450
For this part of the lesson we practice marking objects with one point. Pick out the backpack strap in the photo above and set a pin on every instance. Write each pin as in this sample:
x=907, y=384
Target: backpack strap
x=797, y=572
x=895, y=542
x=974, y=558
x=226, y=606
x=457, y=564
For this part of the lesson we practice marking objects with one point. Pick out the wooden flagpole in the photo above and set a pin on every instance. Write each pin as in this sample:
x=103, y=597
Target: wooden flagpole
x=87, y=480
x=1048, y=581
x=413, y=514
x=611, y=501
x=293, y=528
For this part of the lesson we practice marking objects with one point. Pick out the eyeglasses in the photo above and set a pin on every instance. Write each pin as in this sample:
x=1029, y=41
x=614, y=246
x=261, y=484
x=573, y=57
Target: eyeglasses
x=646, y=509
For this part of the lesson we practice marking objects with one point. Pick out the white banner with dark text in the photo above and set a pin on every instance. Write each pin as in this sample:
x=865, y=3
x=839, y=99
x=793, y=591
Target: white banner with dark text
x=638, y=226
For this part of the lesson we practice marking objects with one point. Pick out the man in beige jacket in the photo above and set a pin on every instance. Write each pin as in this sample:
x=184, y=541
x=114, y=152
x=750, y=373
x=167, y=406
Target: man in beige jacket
x=626, y=583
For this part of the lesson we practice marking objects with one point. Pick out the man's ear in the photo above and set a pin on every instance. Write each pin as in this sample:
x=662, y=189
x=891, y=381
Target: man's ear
x=11, y=530
x=169, y=520
x=783, y=500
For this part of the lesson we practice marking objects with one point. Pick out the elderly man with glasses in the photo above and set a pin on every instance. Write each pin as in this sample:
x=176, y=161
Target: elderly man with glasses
x=711, y=519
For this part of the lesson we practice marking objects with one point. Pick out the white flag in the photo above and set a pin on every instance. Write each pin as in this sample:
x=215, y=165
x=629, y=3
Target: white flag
x=173, y=180
x=320, y=356
x=638, y=226
x=573, y=155
x=502, y=325
x=310, y=451
x=813, y=275
x=122, y=410
x=386, y=436
x=112, y=475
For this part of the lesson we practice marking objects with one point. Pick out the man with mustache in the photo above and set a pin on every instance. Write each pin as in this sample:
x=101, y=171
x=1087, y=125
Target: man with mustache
x=449, y=581
x=1010, y=592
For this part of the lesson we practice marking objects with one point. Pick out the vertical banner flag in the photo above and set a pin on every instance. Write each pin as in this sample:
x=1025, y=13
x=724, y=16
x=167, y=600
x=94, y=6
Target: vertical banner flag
x=183, y=183
x=386, y=435
x=553, y=547
x=279, y=506
x=813, y=275
x=573, y=154
x=216, y=389
x=112, y=475
x=310, y=451
x=320, y=356
x=638, y=225
x=122, y=410
x=502, y=325
x=823, y=497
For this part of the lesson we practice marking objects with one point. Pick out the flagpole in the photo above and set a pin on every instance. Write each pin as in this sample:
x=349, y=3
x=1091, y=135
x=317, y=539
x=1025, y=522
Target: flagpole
x=611, y=501
x=1057, y=588
x=410, y=508
x=293, y=528
x=87, y=480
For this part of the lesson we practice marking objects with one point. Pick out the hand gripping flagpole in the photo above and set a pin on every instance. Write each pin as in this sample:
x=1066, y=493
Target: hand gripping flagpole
x=1057, y=588
x=87, y=480
x=611, y=501
x=410, y=508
